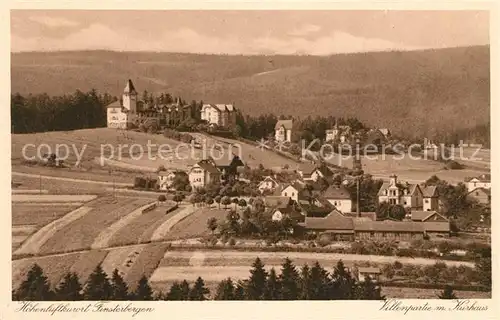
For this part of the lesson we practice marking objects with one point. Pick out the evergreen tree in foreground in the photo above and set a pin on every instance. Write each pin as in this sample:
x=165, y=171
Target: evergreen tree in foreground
x=273, y=287
x=447, y=293
x=225, y=290
x=119, y=287
x=175, y=292
x=36, y=287
x=289, y=280
x=343, y=285
x=70, y=288
x=368, y=290
x=254, y=289
x=319, y=283
x=199, y=291
x=98, y=286
x=143, y=292
x=306, y=289
x=185, y=290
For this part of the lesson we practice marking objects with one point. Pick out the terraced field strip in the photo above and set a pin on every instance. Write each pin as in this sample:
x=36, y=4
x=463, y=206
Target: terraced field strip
x=195, y=224
x=52, y=197
x=87, y=262
x=207, y=273
x=164, y=229
x=105, y=236
x=34, y=244
x=39, y=215
x=145, y=263
x=53, y=267
x=118, y=258
x=29, y=191
x=81, y=233
x=135, y=229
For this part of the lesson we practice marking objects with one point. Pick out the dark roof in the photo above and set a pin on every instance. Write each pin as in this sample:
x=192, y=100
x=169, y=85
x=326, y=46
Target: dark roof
x=129, y=88
x=278, y=202
x=486, y=191
x=411, y=188
x=327, y=172
x=114, y=104
x=388, y=226
x=318, y=207
x=334, y=192
x=424, y=215
x=436, y=226
x=285, y=123
x=333, y=221
x=226, y=161
x=208, y=167
x=307, y=168
x=430, y=192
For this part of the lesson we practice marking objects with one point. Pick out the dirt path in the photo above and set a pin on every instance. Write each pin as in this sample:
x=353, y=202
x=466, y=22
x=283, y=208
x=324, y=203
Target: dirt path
x=163, y=229
x=37, y=240
x=103, y=238
x=37, y=176
x=51, y=198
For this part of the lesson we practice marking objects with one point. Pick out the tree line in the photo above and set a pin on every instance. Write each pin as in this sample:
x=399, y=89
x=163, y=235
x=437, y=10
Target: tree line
x=291, y=283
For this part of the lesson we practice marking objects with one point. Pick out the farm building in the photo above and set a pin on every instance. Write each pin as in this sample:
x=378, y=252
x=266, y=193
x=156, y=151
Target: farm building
x=311, y=172
x=388, y=230
x=372, y=272
x=334, y=224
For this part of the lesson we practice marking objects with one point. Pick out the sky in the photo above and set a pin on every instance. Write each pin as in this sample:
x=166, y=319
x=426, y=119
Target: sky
x=246, y=32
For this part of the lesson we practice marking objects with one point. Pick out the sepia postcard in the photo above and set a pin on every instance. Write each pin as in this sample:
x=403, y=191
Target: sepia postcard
x=171, y=154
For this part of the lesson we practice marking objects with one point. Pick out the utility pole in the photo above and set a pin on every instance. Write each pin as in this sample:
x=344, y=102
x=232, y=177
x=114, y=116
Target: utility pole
x=40, y=184
x=358, y=211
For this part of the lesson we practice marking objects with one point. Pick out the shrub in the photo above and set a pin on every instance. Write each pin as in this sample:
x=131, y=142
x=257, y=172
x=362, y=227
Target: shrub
x=232, y=242
x=324, y=240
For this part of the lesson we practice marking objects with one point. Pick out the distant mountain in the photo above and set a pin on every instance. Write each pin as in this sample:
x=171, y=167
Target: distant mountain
x=416, y=92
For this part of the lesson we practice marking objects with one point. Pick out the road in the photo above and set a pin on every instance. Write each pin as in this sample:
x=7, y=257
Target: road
x=37, y=176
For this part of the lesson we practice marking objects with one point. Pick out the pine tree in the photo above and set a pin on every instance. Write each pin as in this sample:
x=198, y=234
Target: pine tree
x=97, y=286
x=69, y=289
x=225, y=290
x=120, y=288
x=175, y=292
x=320, y=282
x=447, y=293
x=198, y=292
x=239, y=291
x=273, y=288
x=256, y=283
x=185, y=290
x=36, y=287
x=289, y=279
x=306, y=289
x=368, y=290
x=143, y=292
x=343, y=284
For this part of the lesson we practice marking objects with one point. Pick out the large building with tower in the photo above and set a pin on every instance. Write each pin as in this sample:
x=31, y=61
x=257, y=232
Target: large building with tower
x=122, y=114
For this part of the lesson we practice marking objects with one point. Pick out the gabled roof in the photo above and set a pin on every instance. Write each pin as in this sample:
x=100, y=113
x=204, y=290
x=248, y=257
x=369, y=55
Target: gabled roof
x=269, y=178
x=285, y=123
x=278, y=202
x=333, y=192
x=388, y=226
x=410, y=187
x=166, y=172
x=219, y=107
x=430, y=192
x=483, y=190
x=364, y=215
x=226, y=161
x=129, y=88
x=333, y=221
x=296, y=185
x=307, y=168
x=385, y=131
x=207, y=166
x=114, y=104
x=425, y=215
x=482, y=178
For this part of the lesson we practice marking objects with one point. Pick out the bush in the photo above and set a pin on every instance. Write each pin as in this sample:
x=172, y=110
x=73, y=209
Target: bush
x=324, y=240
x=232, y=242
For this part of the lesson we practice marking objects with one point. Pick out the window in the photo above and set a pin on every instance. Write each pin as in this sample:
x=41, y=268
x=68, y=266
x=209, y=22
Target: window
x=477, y=193
x=286, y=195
x=293, y=194
x=405, y=202
x=475, y=184
x=426, y=200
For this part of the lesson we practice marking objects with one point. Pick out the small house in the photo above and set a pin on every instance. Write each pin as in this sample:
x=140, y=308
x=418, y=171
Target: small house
x=283, y=130
x=482, y=181
x=372, y=272
x=481, y=195
x=339, y=197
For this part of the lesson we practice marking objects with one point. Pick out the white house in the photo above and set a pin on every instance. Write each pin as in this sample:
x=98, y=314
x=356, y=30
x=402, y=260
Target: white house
x=312, y=172
x=431, y=198
x=339, y=197
x=166, y=179
x=342, y=133
x=292, y=191
x=203, y=173
x=269, y=184
x=223, y=115
x=372, y=272
x=122, y=114
x=483, y=181
x=283, y=130
x=407, y=195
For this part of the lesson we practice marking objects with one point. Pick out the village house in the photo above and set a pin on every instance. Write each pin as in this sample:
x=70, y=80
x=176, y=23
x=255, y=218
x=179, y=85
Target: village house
x=268, y=185
x=228, y=166
x=122, y=114
x=481, y=195
x=174, y=114
x=482, y=181
x=203, y=173
x=166, y=179
x=292, y=190
x=341, y=134
x=315, y=206
x=222, y=115
x=431, y=198
x=313, y=172
x=375, y=137
x=283, y=130
x=339, y=197
x=281, y=207
x=372, y=272
x=386, y=132
x=407, y=195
